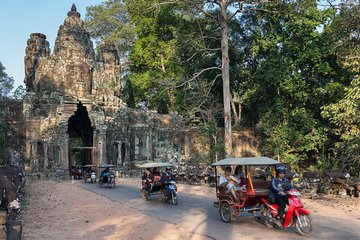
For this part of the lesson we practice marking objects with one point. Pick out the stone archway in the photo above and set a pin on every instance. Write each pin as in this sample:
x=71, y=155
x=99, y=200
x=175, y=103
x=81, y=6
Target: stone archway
x=80, y=134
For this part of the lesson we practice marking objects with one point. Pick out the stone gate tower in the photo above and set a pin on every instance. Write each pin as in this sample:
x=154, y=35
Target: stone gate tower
x=73, y=110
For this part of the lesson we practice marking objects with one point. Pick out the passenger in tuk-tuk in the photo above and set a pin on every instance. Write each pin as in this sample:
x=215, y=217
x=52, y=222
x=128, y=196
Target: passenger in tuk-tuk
x=230, y=182
x=147, y=178
x=156, y=175
x=239, y=174
x=104, y=175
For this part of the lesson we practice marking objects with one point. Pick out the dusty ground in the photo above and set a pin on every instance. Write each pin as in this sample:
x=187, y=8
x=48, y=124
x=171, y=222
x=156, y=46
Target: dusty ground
x=64, y=210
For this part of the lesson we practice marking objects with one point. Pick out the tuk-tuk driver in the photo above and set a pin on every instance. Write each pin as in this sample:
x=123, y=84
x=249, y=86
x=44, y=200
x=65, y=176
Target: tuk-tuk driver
x=230, y=182
x=167, y=176
x=104, y=175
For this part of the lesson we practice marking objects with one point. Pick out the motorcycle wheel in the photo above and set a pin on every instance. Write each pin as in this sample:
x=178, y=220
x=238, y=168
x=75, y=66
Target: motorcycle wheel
x=225, y=212
x=112, y=183
x=303, y=224
x=174, y=198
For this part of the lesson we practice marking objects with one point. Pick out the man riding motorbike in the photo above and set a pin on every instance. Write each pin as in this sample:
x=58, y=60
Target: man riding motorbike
x=277, y=191
x=104, y=175
x=167, y=177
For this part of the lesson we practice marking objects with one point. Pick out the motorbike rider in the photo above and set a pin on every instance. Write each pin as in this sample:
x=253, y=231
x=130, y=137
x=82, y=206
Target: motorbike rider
x=277, y=191
x=167, y=176
x=230, y=182
x=104, y=175
x=147, y=178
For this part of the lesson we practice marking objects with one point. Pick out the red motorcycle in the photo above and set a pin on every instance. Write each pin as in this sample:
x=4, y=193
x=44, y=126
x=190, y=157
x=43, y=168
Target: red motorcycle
x=296, y=216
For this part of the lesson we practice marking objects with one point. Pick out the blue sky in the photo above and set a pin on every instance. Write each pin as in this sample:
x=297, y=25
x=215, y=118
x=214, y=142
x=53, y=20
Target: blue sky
x=20, y=18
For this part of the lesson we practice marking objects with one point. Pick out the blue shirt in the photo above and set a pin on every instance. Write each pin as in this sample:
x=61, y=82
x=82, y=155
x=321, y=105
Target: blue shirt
x=278, y=186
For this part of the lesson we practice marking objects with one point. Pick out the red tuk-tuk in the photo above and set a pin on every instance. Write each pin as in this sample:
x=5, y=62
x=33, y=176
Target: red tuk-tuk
x=252, y=198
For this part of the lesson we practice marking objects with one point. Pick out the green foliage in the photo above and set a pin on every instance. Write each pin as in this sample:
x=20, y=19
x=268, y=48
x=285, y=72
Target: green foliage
x=19, y=92
x=294, y=67
x=109, y=22
x=345, y=116
x=6, y=85
x=6, y=82
x=217, y=146
x=343, y=113
x=293, y=70
x=3, y=136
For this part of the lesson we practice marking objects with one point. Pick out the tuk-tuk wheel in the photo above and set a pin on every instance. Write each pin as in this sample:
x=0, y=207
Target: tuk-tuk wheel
x=225, y=211
x=145, y=194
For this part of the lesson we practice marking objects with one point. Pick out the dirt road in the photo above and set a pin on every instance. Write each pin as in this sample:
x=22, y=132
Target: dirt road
x=66, y=210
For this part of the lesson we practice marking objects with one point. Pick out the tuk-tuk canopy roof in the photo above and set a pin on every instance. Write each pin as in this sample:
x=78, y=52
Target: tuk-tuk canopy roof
x=106, y=165
x=156, y=164
x=252, y=161
x=88, y=165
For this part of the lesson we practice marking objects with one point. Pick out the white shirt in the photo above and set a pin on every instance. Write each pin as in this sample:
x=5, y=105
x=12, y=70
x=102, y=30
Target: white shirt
x=223, y=179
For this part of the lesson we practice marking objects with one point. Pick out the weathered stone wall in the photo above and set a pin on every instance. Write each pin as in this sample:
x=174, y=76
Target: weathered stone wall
x=197, y=146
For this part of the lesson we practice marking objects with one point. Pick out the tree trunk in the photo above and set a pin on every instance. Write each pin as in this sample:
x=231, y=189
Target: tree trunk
x=237, y=113
x=226, y=78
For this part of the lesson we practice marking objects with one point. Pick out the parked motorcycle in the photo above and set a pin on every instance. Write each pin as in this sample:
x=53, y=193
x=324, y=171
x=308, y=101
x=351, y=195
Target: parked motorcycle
x=296, y=216
x=93, y=177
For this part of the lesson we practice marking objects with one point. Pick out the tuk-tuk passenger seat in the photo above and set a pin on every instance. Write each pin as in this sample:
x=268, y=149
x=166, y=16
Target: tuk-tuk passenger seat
x=261, y=188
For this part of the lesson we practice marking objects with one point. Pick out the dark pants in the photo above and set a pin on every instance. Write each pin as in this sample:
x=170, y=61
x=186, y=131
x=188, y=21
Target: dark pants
x=282, y=201
x=147, y=186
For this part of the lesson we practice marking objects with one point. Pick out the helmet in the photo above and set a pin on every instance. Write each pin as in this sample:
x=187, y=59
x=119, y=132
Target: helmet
x=168, y=168
x=280, y=169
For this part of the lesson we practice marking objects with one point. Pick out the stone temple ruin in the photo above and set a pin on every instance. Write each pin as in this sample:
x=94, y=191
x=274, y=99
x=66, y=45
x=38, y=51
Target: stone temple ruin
x=72, y=108
x=72, y=112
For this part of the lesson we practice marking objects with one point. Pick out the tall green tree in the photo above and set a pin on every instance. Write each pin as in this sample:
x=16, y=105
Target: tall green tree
x=109, y=22
x=6, y=85
x=344, y=114
x=6, y=82
x=294, y=67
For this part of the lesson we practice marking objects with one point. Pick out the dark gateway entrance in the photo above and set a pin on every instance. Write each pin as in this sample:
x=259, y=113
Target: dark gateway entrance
x=80, y=133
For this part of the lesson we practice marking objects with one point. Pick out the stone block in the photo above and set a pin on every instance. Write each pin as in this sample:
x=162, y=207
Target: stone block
x=2, y=232
x=2, y=217
x=14, y=230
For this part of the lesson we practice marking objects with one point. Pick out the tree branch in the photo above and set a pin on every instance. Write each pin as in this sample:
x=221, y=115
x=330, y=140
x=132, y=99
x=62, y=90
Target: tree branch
x=196, y=75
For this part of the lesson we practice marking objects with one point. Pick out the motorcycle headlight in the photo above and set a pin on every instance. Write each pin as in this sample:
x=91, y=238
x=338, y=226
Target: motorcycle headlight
x=295, y=193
